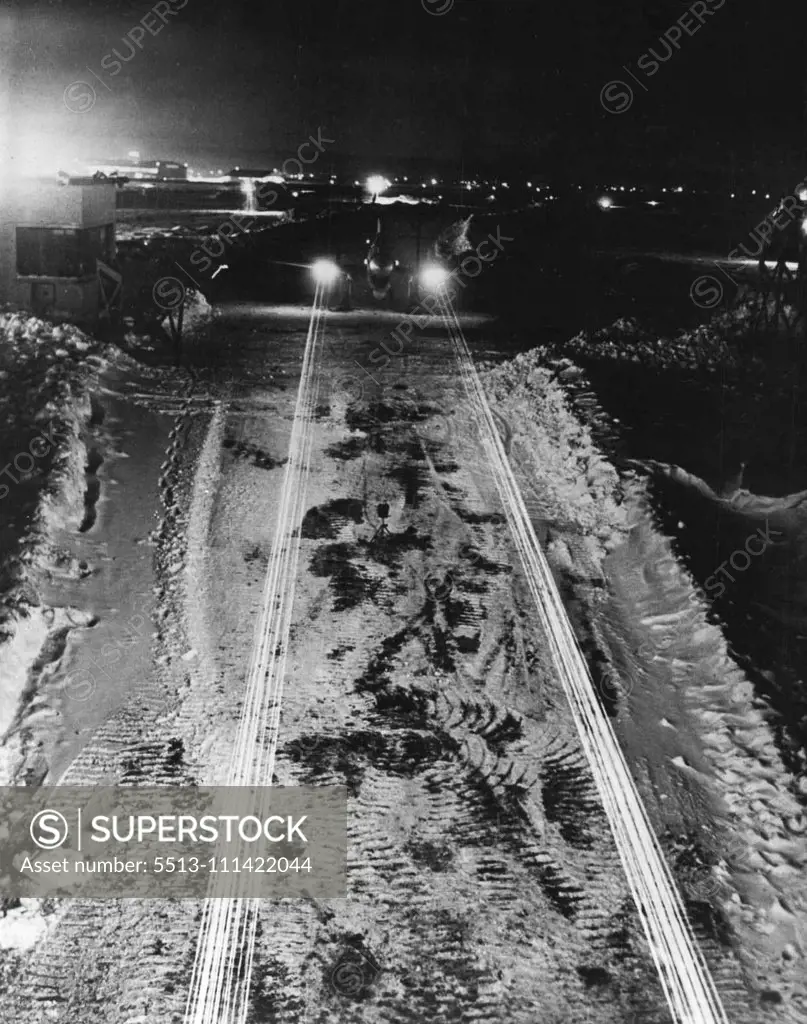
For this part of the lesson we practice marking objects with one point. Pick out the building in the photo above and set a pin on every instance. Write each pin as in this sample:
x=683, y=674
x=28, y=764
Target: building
x=51, y=237
x=257, y=174
x=148, y=170
x=170, y=170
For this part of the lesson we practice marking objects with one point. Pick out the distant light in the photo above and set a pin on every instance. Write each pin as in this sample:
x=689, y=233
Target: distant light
x=753, y=191
x=376, y=184
x=605, y=202
x=325, y=272
x=434, y=181
x=433, y=277
x=248, y=191
x=505, y=185
x=679, y=189
x=653, y=202
x=732, y=195
x=767, y=195
x=529, y=184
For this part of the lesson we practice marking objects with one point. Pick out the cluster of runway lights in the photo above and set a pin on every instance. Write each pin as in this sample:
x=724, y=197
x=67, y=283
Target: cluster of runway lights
x=606, y=202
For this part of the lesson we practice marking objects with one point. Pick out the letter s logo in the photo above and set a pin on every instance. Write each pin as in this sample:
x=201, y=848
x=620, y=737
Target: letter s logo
x=49, y=829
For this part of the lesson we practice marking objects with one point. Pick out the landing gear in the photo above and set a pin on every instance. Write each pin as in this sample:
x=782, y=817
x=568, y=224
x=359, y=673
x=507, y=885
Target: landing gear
x=342, y=301
x=399, y=293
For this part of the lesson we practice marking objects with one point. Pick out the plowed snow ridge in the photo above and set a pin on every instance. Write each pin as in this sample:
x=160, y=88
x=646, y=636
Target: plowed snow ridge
x=687, y=983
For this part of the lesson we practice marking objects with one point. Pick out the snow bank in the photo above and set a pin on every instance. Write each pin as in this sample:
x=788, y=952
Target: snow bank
x=570, y=484
x=47, y=375
x=713, y=346
x=196, y=316
x=727, y=807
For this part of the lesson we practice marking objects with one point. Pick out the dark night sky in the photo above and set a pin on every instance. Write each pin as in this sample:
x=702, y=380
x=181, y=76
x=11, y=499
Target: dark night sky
x=490, y=80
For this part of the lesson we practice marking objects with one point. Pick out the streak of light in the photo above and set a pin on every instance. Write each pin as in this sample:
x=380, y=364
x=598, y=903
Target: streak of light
x=685, y=978
x=222, y=969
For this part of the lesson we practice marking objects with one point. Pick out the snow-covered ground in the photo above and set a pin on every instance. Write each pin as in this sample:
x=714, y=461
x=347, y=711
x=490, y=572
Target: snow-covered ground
x=417, y=675
x=48, y=377
x=194, y=225
x=702, y=736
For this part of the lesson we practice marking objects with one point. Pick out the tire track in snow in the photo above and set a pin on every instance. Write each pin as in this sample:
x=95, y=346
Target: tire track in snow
x=688, y=986
x=222, y=971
